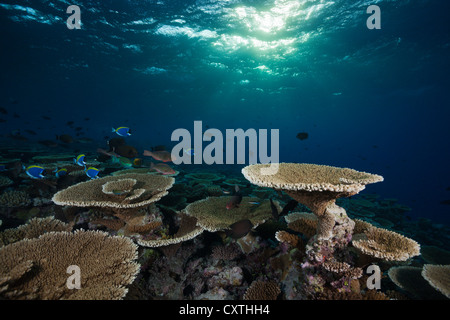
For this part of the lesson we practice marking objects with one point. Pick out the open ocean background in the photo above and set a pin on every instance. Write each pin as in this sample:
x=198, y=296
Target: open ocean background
x=371, y=100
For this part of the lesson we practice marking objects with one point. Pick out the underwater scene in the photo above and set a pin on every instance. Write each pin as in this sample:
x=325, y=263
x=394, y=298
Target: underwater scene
x=235, y=150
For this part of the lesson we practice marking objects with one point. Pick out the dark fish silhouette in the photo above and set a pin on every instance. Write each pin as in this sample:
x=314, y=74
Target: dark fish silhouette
x=46, y=118
x=31, y=132
x=239, y=229
x=64, y=138
x=115, y=142
x=275, y=214
x=69, y=123
x=291, y=205
x=302, y=135
x=3, y=110
x=287, y=208
x=235, y=199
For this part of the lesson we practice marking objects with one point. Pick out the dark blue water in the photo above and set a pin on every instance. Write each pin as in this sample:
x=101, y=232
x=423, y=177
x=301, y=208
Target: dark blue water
x=371, y=100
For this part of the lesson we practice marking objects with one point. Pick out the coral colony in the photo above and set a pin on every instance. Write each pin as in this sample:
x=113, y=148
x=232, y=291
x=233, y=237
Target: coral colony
x=110, y=219
x=295, y=234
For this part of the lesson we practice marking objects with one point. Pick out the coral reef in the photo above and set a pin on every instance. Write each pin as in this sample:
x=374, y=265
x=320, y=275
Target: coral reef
x=262, y=290
x=14, y=198
x=5, y=181
x=212, y=214
x=386, y=245
x=438, y=276
x=37, y=268
x=33, y=229
x=192, y=247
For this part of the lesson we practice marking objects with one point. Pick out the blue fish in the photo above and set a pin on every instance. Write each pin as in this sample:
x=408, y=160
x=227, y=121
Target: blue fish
x=190, y=152
x=122, y=131
x=2, y=167
x=92, y=172
x=35, y=172
x=254, y=202
x=79, y=160
x=60, y=172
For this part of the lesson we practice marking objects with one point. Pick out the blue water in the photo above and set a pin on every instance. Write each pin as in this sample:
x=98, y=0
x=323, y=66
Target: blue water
x=371, y=100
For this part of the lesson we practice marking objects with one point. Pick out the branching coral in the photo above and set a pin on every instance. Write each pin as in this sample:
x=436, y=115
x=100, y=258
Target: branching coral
x=289, y=238
x=317, y=187
x=5, y=181
x=303, y=222
x=126, y=197
x=32, y=229
x=187, y=230
x=147, y=189
x=387, y=245
x=118, y=187
x=227, y=253
x=438, y=276
x=37, y=268
x=262, y=290
x=411, y=280
x=213, y=215
x=330, y=230
x=14, y=198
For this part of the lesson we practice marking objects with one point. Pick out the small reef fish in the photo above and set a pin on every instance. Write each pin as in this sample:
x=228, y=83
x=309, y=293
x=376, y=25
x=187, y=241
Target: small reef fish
x=79, y=160
x=2, y=167
x=162, y=168
x=235, y=199
x=123, y=161
x=254, y=202
x=92, y=172
x=190, y=152
x=35, y=172
x=60, y=172
x=163, y=156
x=122, y=131
x=302, y=135
x=137, y=162
x=239, y=229
x=287, y=208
